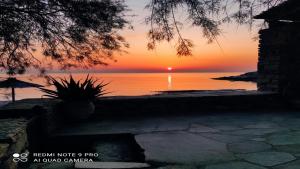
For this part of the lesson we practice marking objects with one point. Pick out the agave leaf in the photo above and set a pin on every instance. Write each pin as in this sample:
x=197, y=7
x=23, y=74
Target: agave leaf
x=51, y=96
x=86, y=80
x=48, y=91
x=71, y=89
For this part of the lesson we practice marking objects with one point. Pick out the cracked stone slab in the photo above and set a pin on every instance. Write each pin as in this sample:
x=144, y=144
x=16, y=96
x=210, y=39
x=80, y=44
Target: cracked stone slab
x=111, y=165
x=258, y=139
x=234, y=165
x=51, y=166
x=256, y=132
x=172, y=125
x=262, y=125
x=248, y=147
x=224, y=138
x=10, y=128
x=226, y=127
x=197, y=128
x=293, y=148
x=285, y=138
x=108, y=127
x=178, y=167
x=268, y=159
x=183, y=148
x=292, y=123
x=3, y=149
x=291, y=165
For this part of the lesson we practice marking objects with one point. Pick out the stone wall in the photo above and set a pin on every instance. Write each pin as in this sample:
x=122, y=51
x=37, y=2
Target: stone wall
x=279, y=58
x=23, y=129
x=13, y=139
x=184, y=105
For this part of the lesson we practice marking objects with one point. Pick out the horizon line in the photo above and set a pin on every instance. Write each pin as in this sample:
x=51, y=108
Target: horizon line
x=129, y=71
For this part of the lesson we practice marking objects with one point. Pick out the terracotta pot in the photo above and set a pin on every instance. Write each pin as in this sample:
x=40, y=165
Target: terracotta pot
x=77, y=110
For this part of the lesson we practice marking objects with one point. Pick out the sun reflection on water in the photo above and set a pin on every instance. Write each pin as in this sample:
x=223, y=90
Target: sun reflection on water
x=169, y=81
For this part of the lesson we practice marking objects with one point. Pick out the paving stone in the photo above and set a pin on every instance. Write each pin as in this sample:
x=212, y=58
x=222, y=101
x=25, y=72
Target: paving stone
x=292, y=123
x=226, y=128
x=293, y=148
x=111, y=165
x=120, y=148
x=60, y=166
x=52, y=166
x=10, y=126
x=229, y=121
x=285, y=138
x=258, y=139
x=256, y=132
x=172, y=125
x=3, y=149
x=262, y=125
x=95, y=128
x=290, y=165
x=224, y=138
x=235, y=165
x=179, y=167
x=9, y=164
x=268, y=159
x=239, y=120
x=197, y=128
x=248, y=147
x=203, y=144
x=182, y=147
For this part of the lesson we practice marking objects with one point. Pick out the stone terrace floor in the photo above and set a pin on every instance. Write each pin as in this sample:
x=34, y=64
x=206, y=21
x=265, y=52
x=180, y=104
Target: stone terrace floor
x=216, y=141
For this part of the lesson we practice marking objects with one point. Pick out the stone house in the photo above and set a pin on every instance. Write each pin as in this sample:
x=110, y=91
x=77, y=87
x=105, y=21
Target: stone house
x=279, y=49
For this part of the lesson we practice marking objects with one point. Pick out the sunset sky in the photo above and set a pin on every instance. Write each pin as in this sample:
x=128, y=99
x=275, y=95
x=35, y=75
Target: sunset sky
x=238, y=53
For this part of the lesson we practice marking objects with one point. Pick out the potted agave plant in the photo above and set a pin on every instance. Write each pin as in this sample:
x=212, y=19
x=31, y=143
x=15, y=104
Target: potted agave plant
x=77, y=97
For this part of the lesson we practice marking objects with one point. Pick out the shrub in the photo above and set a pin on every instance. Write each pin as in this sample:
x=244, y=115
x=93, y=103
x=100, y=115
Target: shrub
x=72, y=90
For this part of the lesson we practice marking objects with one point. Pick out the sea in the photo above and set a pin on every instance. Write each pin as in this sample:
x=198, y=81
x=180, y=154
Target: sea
x=135, y=84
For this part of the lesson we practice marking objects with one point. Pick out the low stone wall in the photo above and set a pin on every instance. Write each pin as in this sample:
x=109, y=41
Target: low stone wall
x=165, y=104
x=13, y=139
x=24, y=127
x=172, y=105
x=37, y=110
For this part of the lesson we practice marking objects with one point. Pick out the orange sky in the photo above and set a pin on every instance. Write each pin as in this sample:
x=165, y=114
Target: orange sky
x=239, y=49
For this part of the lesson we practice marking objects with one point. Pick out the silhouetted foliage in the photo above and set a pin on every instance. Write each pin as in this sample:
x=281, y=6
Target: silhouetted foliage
x=84, y=32
x=71, y=90
x=67, y=31
x=206, y=14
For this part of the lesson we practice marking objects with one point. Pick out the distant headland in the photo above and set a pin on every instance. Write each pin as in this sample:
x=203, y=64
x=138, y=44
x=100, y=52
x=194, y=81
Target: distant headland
x=246, y=77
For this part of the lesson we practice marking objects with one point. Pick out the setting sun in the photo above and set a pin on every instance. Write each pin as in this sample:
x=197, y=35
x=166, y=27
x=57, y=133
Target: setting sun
x=170, y=68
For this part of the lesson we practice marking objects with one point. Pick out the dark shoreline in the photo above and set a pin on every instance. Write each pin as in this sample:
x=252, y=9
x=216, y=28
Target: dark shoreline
x=246, y=77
